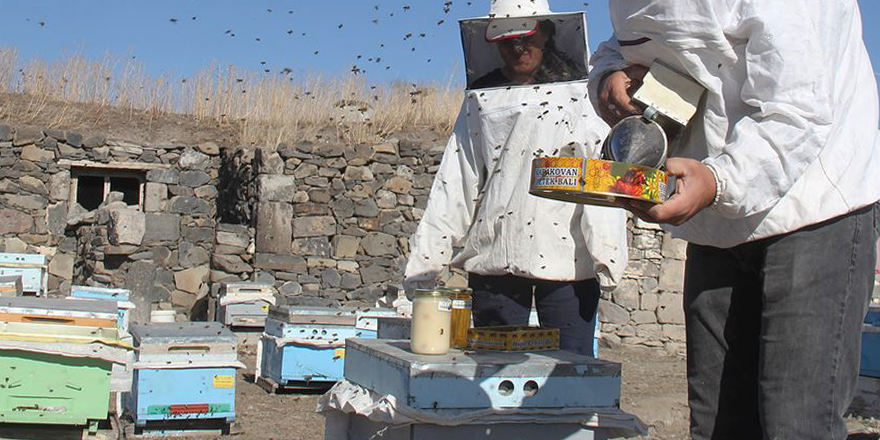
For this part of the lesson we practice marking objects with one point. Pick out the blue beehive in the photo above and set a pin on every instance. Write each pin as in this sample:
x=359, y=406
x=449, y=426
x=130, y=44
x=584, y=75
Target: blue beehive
x=32, y=268
x=184, y=372
x=120, y=296
x=871, y=344
x=306, y=345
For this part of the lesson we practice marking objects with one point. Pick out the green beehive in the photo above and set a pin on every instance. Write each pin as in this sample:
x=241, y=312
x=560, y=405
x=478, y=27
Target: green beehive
x=51, y=389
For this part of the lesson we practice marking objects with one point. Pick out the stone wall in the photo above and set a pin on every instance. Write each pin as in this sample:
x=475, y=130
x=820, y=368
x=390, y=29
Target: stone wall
x=325, y=223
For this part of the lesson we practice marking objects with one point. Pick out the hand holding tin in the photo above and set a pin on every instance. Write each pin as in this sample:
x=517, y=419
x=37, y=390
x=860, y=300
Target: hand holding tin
x=615, y=93
x=694, y=191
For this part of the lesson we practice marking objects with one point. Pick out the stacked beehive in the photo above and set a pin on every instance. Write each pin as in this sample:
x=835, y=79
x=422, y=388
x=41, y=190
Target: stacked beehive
x=56, y=357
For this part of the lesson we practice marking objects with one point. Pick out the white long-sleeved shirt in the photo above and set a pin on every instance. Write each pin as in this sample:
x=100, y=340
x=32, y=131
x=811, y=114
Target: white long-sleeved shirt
x=789, y=123
x=480, y=215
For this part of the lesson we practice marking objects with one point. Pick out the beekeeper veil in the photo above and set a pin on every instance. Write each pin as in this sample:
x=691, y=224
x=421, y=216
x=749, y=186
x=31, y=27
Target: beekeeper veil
x=524, y=36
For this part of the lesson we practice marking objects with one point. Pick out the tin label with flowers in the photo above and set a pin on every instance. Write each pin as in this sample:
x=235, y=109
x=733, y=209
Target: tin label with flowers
x=625, y=180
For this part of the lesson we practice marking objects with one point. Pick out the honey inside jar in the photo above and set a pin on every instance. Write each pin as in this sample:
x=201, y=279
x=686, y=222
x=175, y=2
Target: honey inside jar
x=461, y=315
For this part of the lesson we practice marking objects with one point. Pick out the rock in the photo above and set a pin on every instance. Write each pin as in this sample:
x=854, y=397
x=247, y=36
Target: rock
x=189, y=205
x=156, y=194
x=32, y=203
x=268, y=162
x=675, y=332
x=674, y=247
x=194, y=179
x=649, y=301
x=192, y=255
x=78, y=215
x=140, y=279
x=127, y=226
x=73, y=139
x=166, y=176
x=366, y=208
x=190, y=280
x=345, y=246
x=612, y=313
x=231, y=264
x=193, y=160
x=27, y=135
x=276, y=188
x=14, y=245
x=290, y=288
x=314, y=226
x=286, y=263
x=320, y=263
x=93, y=142
x=342, y=208
x=374, y=274
x=386, y=199
x=315, y=246
x=348, y=266
x=209, y=148
x=14, y=222
x=305, y=170
x=59, y=186
x=62, y=266
x=358, y=174
x=56, y=218
x=350, y=281
x=330, y=278
x=388, y=147
x=645, y=241
x=68, y=152
x=160, y=227
x=274, y=231
x=672, y=275
x=33, y=185
x=670, y=309
x=185, y=300
x=6, y=133
x=233, y=239
x=649, y=331
x=627, y=294
x=36, y=154
x=310, y=209
x=643, y=317
x=398, y=185
x=206, y=192
x=377, y=244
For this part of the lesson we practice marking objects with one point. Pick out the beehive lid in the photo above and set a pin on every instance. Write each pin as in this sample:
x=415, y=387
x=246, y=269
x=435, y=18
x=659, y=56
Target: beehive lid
x=175, y=332
x=327, y=315
x=58, y=307
x=100, y=293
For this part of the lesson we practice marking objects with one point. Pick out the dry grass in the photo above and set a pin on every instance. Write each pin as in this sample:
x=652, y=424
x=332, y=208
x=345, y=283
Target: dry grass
x=263, y=109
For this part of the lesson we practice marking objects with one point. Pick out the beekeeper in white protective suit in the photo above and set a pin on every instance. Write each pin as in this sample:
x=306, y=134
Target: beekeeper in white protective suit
x=527, y=97
x=777, y=183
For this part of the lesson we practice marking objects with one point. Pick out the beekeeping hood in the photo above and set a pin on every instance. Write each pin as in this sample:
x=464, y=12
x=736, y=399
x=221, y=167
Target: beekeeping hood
x=565, y=55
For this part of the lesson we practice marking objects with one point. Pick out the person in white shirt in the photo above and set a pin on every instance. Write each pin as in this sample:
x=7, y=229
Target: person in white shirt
x=480, y=215
x=776, y=191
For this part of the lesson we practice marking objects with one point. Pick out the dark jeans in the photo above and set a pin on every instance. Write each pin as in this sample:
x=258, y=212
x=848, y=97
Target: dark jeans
x=568, y=306
x=774, y=331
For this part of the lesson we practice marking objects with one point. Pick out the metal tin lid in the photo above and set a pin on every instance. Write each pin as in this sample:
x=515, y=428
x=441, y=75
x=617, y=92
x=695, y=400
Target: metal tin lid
x=458, y=292
x=637, y=140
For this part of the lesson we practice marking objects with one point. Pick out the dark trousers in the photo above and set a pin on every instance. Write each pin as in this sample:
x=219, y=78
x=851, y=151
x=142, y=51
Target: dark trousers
x=568, y=306
x=774, y=331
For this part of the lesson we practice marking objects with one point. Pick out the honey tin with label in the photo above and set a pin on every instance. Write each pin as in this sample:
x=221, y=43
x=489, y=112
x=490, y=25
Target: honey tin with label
x=596, y=181
x=513, y=338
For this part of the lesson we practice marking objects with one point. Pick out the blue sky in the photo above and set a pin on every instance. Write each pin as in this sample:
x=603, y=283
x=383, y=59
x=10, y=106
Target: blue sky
x=289, y=33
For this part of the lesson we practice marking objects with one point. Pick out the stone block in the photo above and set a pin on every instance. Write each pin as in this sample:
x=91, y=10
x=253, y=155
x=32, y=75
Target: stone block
x=140, y=279
x=398, y=185
x=61, y=266
x=377, y=244
x=305, y=170
x=194, y=179
x=14, y=222
x=231, y=264
x=206, y=192
x=193, y=160
x=188, y=205
x=345, y=246
x=672, y=275
x=627, y=294
x=643, y=317
x=56, y=218
x=314, y=246
x=209, y=148
x=366, y=208
x=6, y=133
x=320, y=263
x=375, y=274
x=675, y=332
x=645, y=241
x=182, y=299
x=276, y=188
x=33, y=203
x=166, y=176
x=649, y=302
x=670, y=309
x=127, y=226
x=160, y=227
x=649, y=331
x=268, y=162
x=361, y=174
x=26, y=135
x=197, y=234
x=291, y=288
x=386, y=199
x=674, y=247
x=233, y=239
x=14, y=245
x=59, y=186
x=36, y=154
x=310, y=209
x=274, y=227
x=314, y=226
x=190, y=280
x=192, y=255
x=281, y=262
x=350, y=280
x=612, y=313
x=33, y=185
x=331, y=278
x=388, y=147
x=155, y=196
x=348, y=266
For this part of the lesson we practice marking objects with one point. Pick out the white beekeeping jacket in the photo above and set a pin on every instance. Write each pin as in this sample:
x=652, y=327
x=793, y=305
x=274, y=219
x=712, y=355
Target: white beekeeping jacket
x=480, y=215
x=789, y=123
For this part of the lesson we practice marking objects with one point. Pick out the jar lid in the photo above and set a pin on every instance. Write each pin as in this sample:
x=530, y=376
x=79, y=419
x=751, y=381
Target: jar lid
x=431, y=293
